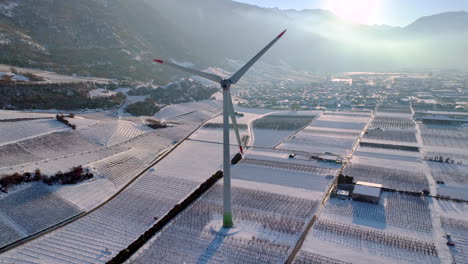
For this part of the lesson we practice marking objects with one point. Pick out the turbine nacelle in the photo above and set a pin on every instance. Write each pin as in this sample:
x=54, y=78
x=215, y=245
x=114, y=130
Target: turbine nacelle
x=226, y=84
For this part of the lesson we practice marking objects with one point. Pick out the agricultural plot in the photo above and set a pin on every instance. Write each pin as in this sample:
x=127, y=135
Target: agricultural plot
x=198, y=116
x=97, y=237
x=268, y=138
x=338, y=124
x=393, y=178
x=82, y=122
x=329, y=134
x=305, y=257
x=178, y=132
x=36, y=208
x=357, y=244
x=396, y=213
x=266, y=230
x=87, y=195
x=108, y=133
x=245, y=119
x=10, y=115
x=149, y=145
x=216, y=135
x=288, y=166
x=289, y=175
x=99, y=133
x=449, y=173
x=193, y=160
x=458, y=229
x=270, y=130
x=319, y=145
x=282, y=159
x=445, y=136
x=14, y=154
x=385, y=122
x=18, y=130
x=445, y=141
x=453, y=179
x=57, y=145
x=175, y=110
x=391, y=135
x=387, y=161
x=282, y=122
x=349, y=114
x=9, y=234
x=100, y=115
x=126, y=130
x=316, y=131
x=395, y=108
x=51, y=166
x=387, y=154
x=390, y=145
x=120, y=169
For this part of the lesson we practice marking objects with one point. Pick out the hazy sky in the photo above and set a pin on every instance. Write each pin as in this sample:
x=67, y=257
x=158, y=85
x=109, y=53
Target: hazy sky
x=390, y=12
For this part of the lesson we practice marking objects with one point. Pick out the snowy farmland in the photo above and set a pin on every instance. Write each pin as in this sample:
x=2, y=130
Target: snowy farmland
x=20, y=130
x=275, y=196
x=265, y=232
x=398, y=229
x=332, y=133
x=97, y=237
x=115, y=150
x=402, y=227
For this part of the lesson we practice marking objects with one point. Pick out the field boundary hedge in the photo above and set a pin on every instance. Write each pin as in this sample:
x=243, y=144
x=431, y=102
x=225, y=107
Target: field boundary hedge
x=126, y=253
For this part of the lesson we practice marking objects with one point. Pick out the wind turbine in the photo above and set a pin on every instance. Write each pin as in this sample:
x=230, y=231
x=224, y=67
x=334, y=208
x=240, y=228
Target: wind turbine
x=228, y=110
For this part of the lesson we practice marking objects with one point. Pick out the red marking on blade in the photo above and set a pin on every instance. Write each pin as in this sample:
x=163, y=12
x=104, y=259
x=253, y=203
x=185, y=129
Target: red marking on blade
x=281, y=34
x=160, y=61
x=241, y=150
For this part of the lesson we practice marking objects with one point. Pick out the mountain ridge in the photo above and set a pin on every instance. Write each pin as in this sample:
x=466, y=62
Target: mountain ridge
x=117, y=39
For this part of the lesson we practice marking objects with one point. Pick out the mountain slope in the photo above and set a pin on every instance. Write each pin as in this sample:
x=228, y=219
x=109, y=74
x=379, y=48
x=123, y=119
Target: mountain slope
x=118, y=38
x=105, y=38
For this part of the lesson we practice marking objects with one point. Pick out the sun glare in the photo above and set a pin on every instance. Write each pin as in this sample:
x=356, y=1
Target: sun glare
x=359, y=11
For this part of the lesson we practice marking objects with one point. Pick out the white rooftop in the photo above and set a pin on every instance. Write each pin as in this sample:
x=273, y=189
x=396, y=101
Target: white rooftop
x=370, y=184
x=366, y=190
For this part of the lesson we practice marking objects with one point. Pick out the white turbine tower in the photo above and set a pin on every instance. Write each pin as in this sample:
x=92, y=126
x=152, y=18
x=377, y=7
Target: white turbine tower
x=228, y=110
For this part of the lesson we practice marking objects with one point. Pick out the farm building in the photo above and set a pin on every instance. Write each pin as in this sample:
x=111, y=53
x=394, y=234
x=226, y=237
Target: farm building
x=342, y=194
x=367, y=192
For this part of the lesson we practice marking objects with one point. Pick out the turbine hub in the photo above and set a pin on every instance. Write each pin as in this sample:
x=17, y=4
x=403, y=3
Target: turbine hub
x=226, y=84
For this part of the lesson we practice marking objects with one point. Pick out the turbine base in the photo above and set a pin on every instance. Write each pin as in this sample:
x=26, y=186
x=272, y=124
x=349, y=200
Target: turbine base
x=227, y=220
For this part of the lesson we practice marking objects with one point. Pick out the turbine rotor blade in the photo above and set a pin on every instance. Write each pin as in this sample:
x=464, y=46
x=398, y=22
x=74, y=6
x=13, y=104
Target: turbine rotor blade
x=234, y=123
x=209, y=76
x=236, y=77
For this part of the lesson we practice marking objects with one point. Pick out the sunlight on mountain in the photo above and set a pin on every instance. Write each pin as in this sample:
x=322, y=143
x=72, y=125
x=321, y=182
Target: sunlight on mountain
x=359, y=11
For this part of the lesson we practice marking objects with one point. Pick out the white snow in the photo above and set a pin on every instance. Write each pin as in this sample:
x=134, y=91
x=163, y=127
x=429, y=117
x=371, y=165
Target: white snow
x=20, y=130
x=100, y=92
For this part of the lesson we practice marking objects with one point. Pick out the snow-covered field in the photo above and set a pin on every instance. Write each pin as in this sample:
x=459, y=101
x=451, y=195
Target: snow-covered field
x=451, y=143
x=173, y=111
x=20, y=130
x=31, y=210
x=115, y=151
x=264, y=231
x=274, y=197
x=8, y=115
x=332, y=133
x=397, y=230
x=100, y=235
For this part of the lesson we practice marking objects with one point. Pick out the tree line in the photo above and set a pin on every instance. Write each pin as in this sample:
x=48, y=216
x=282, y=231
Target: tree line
x=75, y=175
